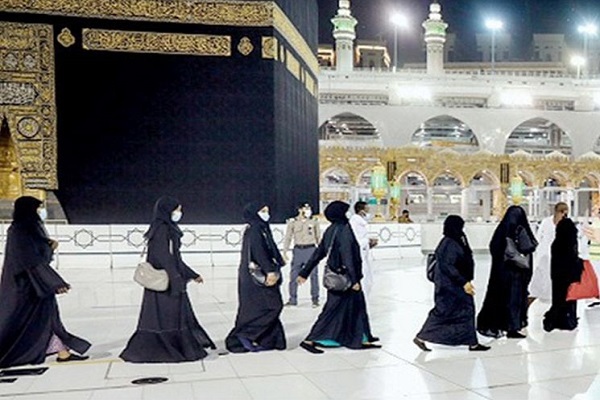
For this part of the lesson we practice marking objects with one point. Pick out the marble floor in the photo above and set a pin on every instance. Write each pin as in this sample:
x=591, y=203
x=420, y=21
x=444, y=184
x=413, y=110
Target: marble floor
x=103, y=307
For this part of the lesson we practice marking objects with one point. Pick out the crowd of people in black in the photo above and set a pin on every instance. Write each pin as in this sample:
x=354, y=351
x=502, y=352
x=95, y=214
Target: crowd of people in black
x=168, y=331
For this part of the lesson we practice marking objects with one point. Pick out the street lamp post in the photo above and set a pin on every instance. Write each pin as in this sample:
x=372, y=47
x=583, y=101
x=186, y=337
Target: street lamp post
x=494, y=25
x=399, y=21
x=587, y=30
x=578, y=62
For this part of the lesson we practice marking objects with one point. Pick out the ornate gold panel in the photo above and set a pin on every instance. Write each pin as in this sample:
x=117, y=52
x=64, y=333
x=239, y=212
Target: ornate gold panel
x=269, y=47
x=27, y=97
x=152, y=42
x=214, y=12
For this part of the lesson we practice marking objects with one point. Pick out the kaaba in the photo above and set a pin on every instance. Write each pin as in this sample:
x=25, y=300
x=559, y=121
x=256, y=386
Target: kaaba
x=114, y=103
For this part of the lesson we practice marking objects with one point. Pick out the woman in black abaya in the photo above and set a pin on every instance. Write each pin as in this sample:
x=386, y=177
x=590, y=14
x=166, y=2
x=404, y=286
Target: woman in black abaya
x=566, y=268
x=452, y=320
x=505, y=304
x=30, y=325
x=167, y=331
x=344, y=320
x=257, y=325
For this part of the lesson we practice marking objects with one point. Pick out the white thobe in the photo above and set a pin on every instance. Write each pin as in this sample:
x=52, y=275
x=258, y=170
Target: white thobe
x=541, y=282
x=360, y=228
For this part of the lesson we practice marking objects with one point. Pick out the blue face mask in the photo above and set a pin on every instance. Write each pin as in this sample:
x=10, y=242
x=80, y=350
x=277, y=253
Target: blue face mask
x=264, y=215
x=43, y=213
x=176, y=216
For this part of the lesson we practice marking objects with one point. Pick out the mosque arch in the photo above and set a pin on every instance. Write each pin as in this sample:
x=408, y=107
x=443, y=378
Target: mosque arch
x=446, y=131
x=539, y=136
x=348, y=126
x=336, y=176
x=412, y=178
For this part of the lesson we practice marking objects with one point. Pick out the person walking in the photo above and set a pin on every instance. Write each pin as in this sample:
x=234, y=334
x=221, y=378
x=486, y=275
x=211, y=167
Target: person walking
x=303, y=230
x=505, y=304
x=452, y=320
x=359, y=222
x=344, y=320
x=257, y=324
x=30, y=324
x=541, y=284
x=566, y=268
x=167, y=330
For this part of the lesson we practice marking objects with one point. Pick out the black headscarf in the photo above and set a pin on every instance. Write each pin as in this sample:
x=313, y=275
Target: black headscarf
x=26, y=210
x=25, y=215
x=336, y=211
x=453, y=229
x=163, y=208
x=253, y=219
x=514, y=218
x=565, y=254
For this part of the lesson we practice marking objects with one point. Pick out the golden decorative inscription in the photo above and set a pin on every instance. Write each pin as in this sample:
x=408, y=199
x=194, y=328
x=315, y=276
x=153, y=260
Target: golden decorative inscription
x=215, y=12
x=27, y=99
x=66, y=38
x=151, y=42
x=245, y=47
x=269, y=47
x=292, y=64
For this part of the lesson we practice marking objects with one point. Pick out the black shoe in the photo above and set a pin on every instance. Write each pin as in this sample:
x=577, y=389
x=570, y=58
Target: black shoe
x=311, y=348
x=515, y=335
x=594, y=304
x=421, y=344
x=479, y=347
x=491, y=333
x=290, y=303
x=374, y=339
x=72, y=357
x=315, y=304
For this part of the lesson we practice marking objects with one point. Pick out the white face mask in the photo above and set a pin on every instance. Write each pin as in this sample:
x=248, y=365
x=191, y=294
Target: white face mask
x=348, y=214
x=176, y=216
x=307, y=213
x=368, y=216
x=43, y=213
x=264, y=215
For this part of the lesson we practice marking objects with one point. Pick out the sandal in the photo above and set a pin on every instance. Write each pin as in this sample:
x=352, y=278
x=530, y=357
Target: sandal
x=421, y=344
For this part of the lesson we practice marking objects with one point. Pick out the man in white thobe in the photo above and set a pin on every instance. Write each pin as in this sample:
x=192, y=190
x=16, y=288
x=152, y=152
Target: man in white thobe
x=541, y=283
x=360, y=228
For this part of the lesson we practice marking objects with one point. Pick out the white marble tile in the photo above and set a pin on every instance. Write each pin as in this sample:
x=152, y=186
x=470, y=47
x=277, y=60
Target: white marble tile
x=290, y=387
x=104, y=305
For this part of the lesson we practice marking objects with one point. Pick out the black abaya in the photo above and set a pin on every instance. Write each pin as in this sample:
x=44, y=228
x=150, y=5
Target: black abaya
x=167, y=331
x=29, y=315
x=344, y=319
x=452, y=321
x=506, y=300
x=257, y=324
x=566, y=268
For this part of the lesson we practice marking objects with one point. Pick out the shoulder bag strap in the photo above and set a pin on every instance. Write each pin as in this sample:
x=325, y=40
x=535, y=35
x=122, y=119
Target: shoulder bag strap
x=335, y=232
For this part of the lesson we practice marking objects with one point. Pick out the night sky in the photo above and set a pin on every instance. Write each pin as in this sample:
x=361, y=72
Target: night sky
x=465, y=17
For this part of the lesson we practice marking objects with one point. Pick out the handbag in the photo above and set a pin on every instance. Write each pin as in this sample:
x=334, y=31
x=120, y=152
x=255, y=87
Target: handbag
x=587, y=287
x=431, y=264
x=513, y=256
x=256, y=272
x=149, y=277
x=335, y=280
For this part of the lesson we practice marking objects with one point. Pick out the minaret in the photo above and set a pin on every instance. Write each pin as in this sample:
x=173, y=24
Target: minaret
x=435, y=37
x=344, y=34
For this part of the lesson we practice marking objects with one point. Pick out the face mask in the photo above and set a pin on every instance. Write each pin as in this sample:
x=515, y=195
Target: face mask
x=307, y=213
x=264, y=215
x=176, y=216
x=368, y=216
x=348, y=214
x=43, y=213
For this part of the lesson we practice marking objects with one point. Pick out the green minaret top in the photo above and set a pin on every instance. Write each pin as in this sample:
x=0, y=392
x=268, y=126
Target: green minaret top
x=344, y=23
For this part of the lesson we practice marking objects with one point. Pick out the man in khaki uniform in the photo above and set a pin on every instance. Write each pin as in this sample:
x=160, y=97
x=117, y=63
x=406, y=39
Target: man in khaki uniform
x=304, y=231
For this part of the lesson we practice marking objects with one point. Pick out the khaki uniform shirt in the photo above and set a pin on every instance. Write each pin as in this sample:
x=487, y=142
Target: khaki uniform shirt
x=303, y=231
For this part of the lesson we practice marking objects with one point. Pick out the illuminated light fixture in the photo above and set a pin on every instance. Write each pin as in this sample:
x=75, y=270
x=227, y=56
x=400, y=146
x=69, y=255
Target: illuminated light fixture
x=597, y=98
x=513, y=98
x=494, y=24
x=415, y=93
x=588, y=29
x=577, y=61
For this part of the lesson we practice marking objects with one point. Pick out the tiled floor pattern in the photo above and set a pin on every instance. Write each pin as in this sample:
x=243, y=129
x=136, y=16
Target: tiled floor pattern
x=103, y=307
